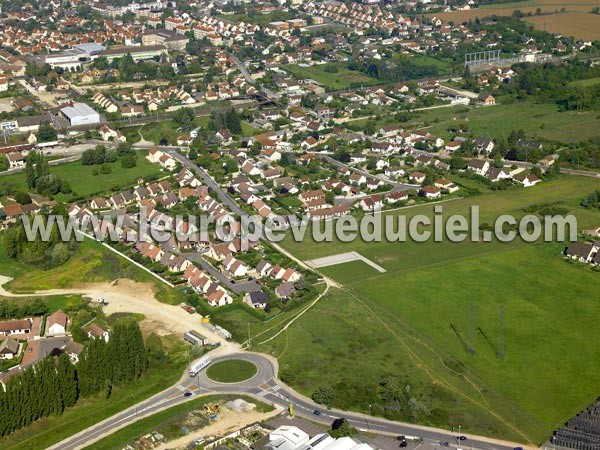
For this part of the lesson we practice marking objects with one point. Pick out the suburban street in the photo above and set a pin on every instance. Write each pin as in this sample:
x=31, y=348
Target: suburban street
x=266, y=387
x=396, y=186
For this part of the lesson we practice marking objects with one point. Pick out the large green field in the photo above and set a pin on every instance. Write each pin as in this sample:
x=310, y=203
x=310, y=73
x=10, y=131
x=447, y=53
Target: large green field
x=341, y=79
x=413, y=322
x=85, y=183
x=538, y=120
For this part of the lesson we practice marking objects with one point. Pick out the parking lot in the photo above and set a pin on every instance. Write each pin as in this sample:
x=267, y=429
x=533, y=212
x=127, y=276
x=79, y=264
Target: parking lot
x=376, y=441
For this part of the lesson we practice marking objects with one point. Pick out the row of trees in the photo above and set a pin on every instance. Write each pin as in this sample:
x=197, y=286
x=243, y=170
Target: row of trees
x=554, y=83
x=42, y=390
x=54, y=384
x=121, y=360
x=230, y=119
x=404, y=69
x=21, y=308
x=100, y=155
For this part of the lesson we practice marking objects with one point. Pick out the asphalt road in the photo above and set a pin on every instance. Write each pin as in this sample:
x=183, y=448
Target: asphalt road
x=222, y=195
x=265, y=386
x=396, y=186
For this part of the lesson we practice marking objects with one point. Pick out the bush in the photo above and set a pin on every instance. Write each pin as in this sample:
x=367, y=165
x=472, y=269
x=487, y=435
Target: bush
x=105, y=169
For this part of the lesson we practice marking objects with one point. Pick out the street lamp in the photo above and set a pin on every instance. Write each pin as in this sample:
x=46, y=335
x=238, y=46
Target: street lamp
x=459, y=432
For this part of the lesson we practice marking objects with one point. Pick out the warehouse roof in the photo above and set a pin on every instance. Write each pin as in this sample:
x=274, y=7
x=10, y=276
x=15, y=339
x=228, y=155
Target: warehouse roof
x=138, y=49
x=77, y=110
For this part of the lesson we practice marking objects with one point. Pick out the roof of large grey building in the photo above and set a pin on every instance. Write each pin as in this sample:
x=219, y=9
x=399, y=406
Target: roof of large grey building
x=77, y=110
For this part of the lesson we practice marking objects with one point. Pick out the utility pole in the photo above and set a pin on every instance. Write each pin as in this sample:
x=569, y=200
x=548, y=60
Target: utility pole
x=471, y=332
x=249, y=342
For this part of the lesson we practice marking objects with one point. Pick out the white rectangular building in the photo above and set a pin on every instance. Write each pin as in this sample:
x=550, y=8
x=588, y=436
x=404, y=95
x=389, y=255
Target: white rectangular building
x=80, y=114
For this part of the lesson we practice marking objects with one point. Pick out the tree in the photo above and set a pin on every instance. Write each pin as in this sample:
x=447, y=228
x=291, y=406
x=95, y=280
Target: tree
x=184, y=118
x=67, y=378
x=46, y=133
x=341, y=428
x=23, y=198
x=128, y=161
x=324, y=396
x=60, y=254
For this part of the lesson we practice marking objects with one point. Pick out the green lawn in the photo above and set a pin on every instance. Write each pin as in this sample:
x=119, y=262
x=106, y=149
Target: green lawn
x=84, y=183
x=413, y=321
x=538, y=120
x=584, y=83
x=249, y=130
x=342, y=79
x=231, y=371
x=167, y=422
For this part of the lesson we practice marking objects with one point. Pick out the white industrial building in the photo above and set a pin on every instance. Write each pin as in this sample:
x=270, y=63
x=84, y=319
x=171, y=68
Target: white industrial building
x=293, y=438
x=80, y=114
x=74, y=58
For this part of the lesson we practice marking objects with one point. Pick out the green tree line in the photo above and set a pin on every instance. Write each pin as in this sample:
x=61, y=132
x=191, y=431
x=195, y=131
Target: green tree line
x=54, y=384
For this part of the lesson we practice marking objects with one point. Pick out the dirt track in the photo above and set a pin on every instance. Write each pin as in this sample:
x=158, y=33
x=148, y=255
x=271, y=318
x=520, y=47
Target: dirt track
x=124, y=295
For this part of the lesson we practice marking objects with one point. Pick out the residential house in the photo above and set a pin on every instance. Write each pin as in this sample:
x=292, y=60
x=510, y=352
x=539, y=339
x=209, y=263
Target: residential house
x=447, y=185
x=9, y=348
x=430, y=192
x=526, y=180
x=95, y=331
x=495, y=174
x=582, y=251
x=285, y=290
x=257, y=299
x=56, y=323
x=479, y=166
x=10, y=327
x=397, y=196
x=484, y=145
x=485, y=98
x=417, y=177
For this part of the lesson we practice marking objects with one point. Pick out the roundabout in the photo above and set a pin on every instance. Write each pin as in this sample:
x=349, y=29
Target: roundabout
x=231, y=371
x=238, y=371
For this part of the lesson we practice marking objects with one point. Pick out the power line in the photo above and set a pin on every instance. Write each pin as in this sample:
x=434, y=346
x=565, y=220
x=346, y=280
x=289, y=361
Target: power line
x=471, y=348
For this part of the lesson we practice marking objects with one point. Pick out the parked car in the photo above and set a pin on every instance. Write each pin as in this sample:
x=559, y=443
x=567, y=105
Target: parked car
x=462, y=438
x=403, y=444
x=444, y=444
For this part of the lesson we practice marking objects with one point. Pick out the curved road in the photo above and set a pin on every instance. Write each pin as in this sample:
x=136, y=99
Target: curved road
x=265, y=387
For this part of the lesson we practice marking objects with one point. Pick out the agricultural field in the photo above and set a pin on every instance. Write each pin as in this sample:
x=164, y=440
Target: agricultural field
x=342, y=79
x=538, y=120
x=576, y=21
x=413, y=321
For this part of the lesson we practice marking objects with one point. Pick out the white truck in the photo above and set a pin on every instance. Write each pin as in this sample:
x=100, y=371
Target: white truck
x=198, y=366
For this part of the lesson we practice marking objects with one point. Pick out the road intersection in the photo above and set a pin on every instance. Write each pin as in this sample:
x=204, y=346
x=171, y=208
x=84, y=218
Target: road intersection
x=264, y=386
